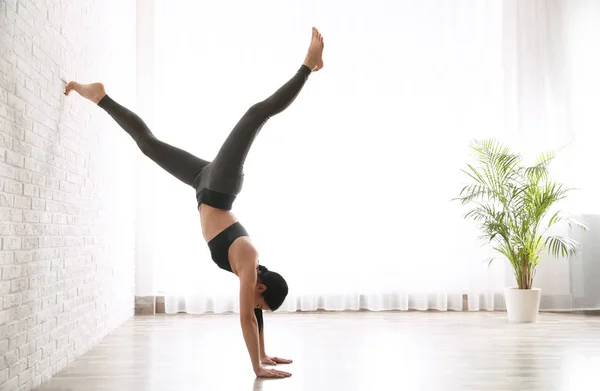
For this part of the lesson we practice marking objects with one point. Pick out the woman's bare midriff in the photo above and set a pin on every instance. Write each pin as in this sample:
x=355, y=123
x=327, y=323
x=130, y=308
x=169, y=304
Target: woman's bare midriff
x=214, y=221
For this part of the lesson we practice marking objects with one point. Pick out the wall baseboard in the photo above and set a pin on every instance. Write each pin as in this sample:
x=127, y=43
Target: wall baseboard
x=152, y=305
x=149, y=305
x=160, y=304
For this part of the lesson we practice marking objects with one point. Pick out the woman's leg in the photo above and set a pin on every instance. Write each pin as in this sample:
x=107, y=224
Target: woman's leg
x=179, y=163
x=230, y=159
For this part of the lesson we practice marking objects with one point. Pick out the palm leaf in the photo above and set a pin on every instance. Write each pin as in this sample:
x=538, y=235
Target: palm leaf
x=561, y=246
x=577, y=223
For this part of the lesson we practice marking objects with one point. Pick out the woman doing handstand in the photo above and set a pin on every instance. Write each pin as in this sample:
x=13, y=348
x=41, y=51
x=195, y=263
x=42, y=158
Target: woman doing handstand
x=217, y=184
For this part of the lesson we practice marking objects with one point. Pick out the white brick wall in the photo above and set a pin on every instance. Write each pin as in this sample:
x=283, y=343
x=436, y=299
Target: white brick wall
x=66, y=173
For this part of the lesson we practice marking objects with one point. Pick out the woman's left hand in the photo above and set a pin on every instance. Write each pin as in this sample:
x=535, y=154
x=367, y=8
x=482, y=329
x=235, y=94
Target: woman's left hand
x=274, y=360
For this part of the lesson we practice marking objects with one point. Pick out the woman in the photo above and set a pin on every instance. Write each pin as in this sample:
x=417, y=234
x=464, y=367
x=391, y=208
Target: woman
x=217, y=184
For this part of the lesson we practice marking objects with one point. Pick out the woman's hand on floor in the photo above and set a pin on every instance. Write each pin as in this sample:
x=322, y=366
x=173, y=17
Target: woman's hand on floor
x=264, y=372
x=274, y=360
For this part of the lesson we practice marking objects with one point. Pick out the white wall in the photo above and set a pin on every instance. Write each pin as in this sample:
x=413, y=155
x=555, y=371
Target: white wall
x=67, y=212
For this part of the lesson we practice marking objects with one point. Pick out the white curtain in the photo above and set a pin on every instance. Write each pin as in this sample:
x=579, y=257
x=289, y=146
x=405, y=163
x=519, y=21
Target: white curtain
x=347, y=193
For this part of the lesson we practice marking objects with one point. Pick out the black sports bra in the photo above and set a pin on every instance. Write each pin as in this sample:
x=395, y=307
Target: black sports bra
x=219, y=250
x=219, y=245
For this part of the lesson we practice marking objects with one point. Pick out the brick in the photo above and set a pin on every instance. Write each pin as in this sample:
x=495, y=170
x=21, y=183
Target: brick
x=46, y=193
x=13, y=187
x=23, y=176
x=12, y=243
x=38, y=180
x=6, y=141
x=42, y=130
x=31, y=216
x=12, y=300
x=48, y=326
x=34, y=358
x=7, y=229
x=52, y=183
x=22, y=123
x=45, y=217
x=48, y=349
x=30, y=243
x=24, y=376
x=37, y=52
x=21, y=149
x=34, y=333
x=20, y=312
x=41, y=318
x=11, y=272
x=8, y=330
x=22, y=202
x=44, y=254
x=11, y=357
x=7, y=257
x=34, y=268
x=31, y=190
x=17, y=341
x=49, y=302
x=7, y=171
x=15, y=159
x=16, y=102
x=42, y=365
x=27, y=323
x=29, y=296
x=17, y=229
x=62, y=342
x=23, y=256
x=8, y=214
x=6, y=199
x=35, y=229
x=19, y=284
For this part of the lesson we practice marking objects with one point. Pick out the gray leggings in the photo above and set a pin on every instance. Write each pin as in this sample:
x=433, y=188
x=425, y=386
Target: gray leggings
x=224, y=175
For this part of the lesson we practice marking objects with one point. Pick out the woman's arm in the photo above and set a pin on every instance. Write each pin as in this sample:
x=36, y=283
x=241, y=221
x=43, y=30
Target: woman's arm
x=247, y=318
x=250, y=324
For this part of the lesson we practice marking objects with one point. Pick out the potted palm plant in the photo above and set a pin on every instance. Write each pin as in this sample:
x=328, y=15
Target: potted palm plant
x=513, y=206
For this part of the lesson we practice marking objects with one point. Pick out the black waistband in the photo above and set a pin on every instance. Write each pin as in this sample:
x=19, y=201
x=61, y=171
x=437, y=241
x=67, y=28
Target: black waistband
x=215, y=199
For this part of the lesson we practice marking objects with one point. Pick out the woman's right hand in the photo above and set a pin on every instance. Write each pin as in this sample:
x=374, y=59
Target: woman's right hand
x=264, y=372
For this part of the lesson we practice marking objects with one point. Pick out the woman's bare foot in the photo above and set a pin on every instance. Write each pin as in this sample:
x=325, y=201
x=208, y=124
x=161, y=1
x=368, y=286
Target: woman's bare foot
x=314, y=57
x=94, y=92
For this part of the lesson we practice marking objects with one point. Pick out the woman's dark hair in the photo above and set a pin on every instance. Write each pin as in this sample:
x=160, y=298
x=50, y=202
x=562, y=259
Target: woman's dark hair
x=277, y=288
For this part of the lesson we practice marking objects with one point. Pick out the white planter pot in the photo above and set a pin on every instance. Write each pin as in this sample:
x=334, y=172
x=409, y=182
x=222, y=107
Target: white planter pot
x=522, y=305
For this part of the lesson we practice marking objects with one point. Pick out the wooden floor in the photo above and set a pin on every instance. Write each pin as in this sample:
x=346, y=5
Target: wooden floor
x=346, y=351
